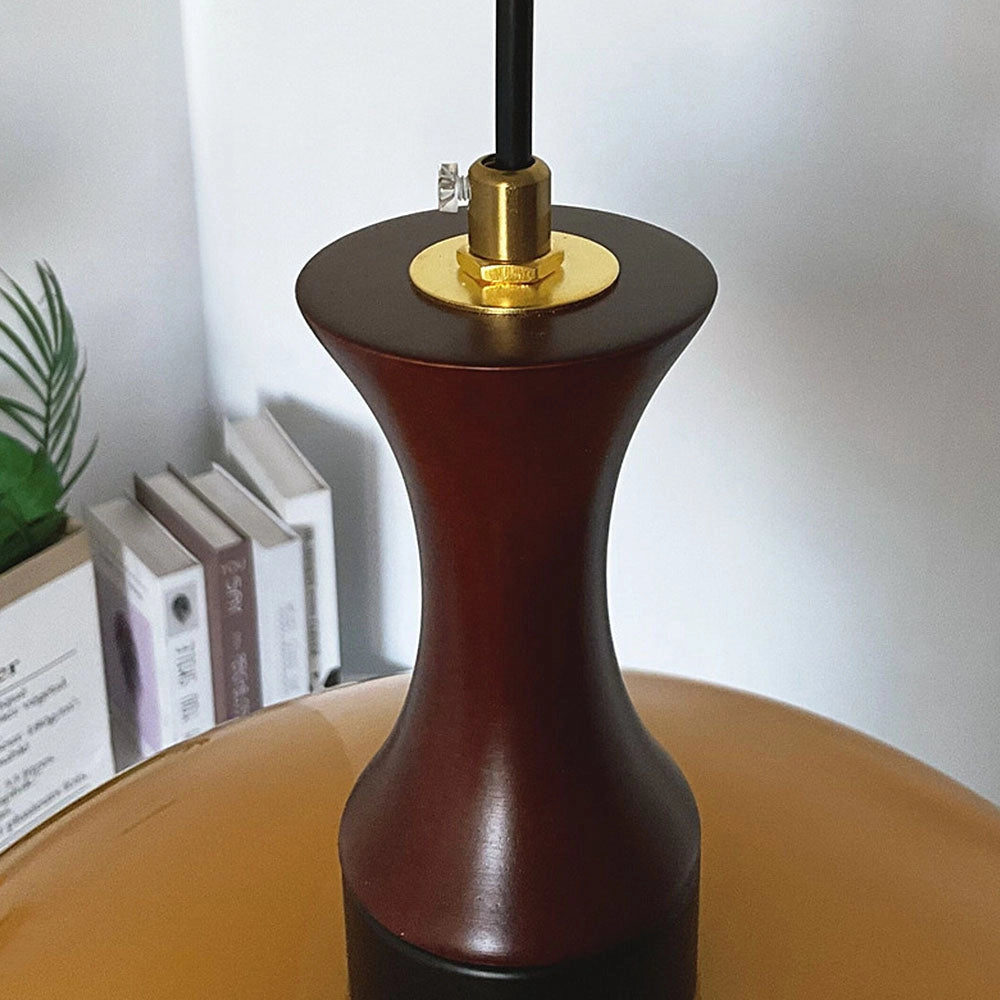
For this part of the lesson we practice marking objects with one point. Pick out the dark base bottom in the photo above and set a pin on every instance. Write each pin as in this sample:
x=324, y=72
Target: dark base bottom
x=661, y=965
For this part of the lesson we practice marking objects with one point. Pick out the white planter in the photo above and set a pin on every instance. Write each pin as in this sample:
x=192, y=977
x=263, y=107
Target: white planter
x=54, y=739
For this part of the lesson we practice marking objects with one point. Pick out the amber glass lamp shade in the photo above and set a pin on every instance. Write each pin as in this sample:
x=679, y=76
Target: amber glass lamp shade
x=834, y=868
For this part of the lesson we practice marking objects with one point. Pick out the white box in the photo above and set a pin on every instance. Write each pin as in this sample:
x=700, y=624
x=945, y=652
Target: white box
x=55, y=743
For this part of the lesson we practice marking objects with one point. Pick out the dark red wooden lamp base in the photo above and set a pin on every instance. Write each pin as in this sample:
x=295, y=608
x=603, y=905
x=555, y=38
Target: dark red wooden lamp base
x=519, y=836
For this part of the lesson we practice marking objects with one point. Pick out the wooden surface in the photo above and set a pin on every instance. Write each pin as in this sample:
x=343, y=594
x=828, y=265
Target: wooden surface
x=833, y=866
x=359, y=289
x=506, y=821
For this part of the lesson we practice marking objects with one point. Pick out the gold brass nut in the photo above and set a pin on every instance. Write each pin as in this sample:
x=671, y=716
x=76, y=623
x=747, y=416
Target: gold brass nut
x=492, y=272
x=587, y=271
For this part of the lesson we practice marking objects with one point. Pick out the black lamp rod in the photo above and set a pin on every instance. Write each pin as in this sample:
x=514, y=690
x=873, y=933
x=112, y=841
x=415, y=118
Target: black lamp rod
x=515, y=27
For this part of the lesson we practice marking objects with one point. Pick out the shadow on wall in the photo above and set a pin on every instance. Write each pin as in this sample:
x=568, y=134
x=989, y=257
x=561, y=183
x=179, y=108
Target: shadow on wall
x=346, y=459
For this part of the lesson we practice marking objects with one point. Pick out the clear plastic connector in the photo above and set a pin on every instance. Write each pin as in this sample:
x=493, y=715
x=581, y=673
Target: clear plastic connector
x=452, y=187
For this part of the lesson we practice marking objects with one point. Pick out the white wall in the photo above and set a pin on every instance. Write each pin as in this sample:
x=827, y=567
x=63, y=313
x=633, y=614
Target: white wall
x=809, y=508
x=96, y=177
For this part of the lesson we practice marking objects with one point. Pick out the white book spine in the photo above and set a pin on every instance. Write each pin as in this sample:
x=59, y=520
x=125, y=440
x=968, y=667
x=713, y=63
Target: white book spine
x=311, y=515
x=312, y=518
x=141, y=589
x=156, y=652
x=281, y=621
x=186, y=655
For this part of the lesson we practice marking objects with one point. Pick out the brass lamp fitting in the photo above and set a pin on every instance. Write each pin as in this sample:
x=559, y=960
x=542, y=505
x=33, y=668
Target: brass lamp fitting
x=510, y=225
x=510, y=212
x=511, y=260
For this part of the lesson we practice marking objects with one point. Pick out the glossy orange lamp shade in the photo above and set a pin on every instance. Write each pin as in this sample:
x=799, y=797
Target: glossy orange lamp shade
x=834, y=867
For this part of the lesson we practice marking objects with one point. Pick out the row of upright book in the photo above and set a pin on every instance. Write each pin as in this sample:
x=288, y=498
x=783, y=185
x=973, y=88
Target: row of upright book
x=216, y=591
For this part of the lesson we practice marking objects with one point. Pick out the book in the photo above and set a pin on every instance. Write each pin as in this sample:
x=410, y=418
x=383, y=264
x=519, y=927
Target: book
x=229, y=593
x=265, y=457
x=279, y=583
x=55, y=743
x=154, y=629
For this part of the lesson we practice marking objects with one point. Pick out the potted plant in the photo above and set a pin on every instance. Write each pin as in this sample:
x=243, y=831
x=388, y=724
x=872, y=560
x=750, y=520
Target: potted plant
x=54, y=718
x=36, y=471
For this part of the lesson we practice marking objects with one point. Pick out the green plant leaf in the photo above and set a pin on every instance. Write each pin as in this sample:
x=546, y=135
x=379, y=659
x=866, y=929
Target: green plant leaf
x=9, y=406
x=23, y=348
x=30, y=487
x=15, y=460
x=30, y=519
x=53, y=296
x=61, y=458
x=52, y=371
x=25, y=377
x=64, y=413
x=28, y=318
x=81, y=465
x=16, y=418
x=37, y=321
